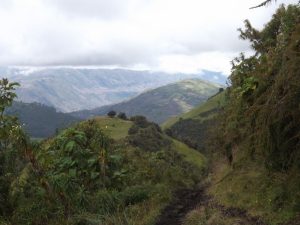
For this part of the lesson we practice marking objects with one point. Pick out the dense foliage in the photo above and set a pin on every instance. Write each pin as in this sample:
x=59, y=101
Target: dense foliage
x=82, y=176
x=262, y=113
x=192, y=132
x=38, y=120
x=194, y=128
x=13, y=147
x=147, y=135
x=259, y=130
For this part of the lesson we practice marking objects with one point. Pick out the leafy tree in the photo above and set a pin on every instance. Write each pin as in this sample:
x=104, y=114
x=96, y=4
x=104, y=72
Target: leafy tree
x=13, y=143
x=263, y=99
x=147, y=135
x=112, y=114
x=122, y=116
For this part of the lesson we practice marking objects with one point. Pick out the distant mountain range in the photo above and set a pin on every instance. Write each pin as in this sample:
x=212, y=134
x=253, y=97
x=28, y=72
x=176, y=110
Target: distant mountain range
x=161, y=103
x=72, y=89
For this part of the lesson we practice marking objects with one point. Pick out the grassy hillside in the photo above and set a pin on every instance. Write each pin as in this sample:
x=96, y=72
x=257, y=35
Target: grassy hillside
x=40, y=121
x=190, y=155
x=193, y=127
x=200, y=112
x=161, y=103
x=118, y=129
x=114, y=127
x=100, y=171
x=256, y=145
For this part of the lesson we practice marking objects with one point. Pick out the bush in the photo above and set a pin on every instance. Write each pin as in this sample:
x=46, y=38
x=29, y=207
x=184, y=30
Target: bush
x=122, y=116
x=147, y=135
x=112, y=114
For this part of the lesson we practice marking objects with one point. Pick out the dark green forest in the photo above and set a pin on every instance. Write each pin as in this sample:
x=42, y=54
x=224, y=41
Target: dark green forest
x=38, y=120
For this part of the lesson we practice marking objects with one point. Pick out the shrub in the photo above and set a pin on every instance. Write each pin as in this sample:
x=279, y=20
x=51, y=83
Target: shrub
x=112, y=114
x=122, y=116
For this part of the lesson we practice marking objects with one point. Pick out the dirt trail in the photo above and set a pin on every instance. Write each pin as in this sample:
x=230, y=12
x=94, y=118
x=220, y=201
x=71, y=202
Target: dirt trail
x=187, y=200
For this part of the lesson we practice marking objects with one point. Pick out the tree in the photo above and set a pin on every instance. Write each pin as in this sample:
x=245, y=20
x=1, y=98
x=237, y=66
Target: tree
x=122, y=116
x=12, y=142
x=7, y=123
x=112, y=114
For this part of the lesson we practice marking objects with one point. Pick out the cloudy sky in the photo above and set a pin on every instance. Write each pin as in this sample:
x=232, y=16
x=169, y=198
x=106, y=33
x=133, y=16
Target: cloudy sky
x=168, y=35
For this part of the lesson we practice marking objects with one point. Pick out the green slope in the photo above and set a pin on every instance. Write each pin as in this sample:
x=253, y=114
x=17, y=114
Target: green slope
x=193, y=127
x=200, y=112
x=118, y=129
x=114, y=127
x=190, y=155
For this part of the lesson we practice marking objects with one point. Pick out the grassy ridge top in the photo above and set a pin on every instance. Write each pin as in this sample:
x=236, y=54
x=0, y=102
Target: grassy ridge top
x=118, y=129
x=114, y=127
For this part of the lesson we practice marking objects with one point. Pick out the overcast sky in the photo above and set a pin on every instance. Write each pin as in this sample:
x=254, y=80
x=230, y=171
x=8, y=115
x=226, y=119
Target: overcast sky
x=169, y=35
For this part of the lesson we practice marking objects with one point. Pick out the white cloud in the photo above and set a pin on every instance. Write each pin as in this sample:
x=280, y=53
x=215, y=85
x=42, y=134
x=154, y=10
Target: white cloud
x=214, y=61
x=170, y=35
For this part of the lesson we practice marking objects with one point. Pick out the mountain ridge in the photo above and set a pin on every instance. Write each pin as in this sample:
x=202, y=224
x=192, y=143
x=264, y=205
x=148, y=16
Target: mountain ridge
x=73, y=89
x=161, y=103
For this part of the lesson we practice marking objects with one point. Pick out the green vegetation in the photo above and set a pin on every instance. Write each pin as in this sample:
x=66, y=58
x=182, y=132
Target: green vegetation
x=40, y=121
x=253, y=142
x=193, y=127
x=112, y=114
x=199, y=112
x=91, y=173
x=209, y=216
x=114, y=127
x=190, y=155
x=258, y=131
x=120, y=171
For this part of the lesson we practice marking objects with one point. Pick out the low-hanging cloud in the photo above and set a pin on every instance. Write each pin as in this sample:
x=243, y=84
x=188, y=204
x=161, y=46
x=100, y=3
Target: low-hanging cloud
x=170, y=35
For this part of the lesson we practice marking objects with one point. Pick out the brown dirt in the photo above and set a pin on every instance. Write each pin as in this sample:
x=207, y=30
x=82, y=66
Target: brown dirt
x=186, y=200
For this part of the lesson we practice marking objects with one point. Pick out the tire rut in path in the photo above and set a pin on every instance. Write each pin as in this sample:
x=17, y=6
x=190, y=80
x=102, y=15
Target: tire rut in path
x=185, y=201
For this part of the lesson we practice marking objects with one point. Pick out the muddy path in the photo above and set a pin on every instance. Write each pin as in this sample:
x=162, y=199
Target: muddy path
x=186, y=200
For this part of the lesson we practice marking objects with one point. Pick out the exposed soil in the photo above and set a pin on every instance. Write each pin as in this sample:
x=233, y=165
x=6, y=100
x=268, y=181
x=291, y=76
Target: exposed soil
x=186, y=200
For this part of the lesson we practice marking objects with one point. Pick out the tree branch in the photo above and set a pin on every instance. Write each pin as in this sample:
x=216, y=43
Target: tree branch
x=263, y=4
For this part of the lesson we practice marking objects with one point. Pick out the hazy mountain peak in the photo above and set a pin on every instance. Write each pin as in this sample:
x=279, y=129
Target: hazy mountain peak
x=70, y=88
x=162, y=102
